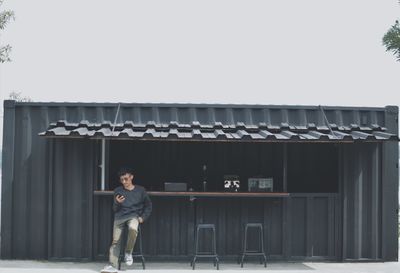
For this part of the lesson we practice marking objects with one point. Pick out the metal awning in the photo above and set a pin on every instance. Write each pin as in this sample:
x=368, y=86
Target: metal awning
x=217, y=131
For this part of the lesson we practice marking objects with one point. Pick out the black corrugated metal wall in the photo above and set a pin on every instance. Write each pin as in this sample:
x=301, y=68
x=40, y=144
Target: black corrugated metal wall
x=362, y=210
x=390, y=189
x=27, y=215
x=47, y=186
x=73, y=171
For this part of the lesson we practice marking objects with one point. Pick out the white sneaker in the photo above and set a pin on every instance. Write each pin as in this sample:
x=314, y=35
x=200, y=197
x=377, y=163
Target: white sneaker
x=109, y=269
x=128, y=259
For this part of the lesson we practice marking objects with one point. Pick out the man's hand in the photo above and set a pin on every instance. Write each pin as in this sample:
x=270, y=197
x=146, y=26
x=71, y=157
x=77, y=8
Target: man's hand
x=140, y=220
x=120, y=199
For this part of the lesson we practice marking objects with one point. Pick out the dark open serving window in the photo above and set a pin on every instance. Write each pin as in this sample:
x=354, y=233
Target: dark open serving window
x=310, y=167
x=156, y=162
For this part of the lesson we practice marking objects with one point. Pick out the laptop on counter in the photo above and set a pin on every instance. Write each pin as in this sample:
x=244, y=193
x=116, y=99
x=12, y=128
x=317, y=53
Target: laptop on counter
x=175, y=186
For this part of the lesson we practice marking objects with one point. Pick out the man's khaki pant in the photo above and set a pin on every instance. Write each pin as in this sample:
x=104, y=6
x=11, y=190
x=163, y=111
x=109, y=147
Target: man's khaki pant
x=116, y=241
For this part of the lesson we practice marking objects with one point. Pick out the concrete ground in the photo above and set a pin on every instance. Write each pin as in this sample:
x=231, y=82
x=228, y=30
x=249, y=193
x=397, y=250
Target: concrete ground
x=11, y=266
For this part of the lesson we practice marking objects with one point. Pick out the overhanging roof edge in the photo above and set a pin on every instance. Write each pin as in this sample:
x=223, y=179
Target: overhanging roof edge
x=201, y=105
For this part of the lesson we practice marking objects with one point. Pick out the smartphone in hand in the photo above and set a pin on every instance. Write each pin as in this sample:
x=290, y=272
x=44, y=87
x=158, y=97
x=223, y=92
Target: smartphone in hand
x=120, y=198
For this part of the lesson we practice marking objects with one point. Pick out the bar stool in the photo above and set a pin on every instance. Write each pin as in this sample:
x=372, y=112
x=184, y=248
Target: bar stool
x=213, y=253
x=260, y=251
x=135, y=254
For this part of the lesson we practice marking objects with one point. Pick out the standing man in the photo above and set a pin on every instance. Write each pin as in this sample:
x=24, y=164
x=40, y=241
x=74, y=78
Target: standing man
x=132, y=206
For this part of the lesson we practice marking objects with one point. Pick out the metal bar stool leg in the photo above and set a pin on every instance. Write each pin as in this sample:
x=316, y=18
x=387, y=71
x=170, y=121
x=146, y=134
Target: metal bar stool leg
x=263, y=248
x=119, y=262
x=263, y=257
x=244, y=246
x=216, y=260
x=141, y=248
x=196, y=248
x=214, y=249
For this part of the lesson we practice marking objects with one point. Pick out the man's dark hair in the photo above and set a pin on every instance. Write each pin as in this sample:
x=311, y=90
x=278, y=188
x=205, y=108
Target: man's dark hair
x=124, y=170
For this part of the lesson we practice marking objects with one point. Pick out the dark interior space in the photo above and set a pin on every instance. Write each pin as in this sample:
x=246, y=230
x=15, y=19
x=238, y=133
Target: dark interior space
x=156, y=162
x=313, y=167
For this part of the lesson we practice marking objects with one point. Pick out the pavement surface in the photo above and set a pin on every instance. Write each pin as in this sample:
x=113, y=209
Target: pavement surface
x=281, y=267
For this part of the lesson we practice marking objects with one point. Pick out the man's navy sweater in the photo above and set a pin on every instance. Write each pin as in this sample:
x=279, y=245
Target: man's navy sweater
x=136, y=204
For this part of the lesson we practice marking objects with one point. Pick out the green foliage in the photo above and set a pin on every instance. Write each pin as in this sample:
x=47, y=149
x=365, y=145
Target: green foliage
x=17, y=96
x=5, y=17
x=391, y=40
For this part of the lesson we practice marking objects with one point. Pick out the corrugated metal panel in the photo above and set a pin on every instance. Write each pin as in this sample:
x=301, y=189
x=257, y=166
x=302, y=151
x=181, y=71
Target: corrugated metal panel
x=29, y=189
x=390, y=187
x=314, y=233
x=362, y=188
x=217, y=131
x=207, y=115
x=70, y=215
x=27, y=198
x=29, y=208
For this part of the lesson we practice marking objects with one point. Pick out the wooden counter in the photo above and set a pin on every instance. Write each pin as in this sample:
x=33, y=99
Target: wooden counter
x=207, y=194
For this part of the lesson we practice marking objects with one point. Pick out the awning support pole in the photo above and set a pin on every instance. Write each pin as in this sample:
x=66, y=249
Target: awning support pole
x=326, y=121
x=103, y=164
x=285, y=170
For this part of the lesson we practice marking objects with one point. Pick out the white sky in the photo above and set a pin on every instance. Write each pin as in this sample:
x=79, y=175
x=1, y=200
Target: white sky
x=266, y=52
x=307, y=52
